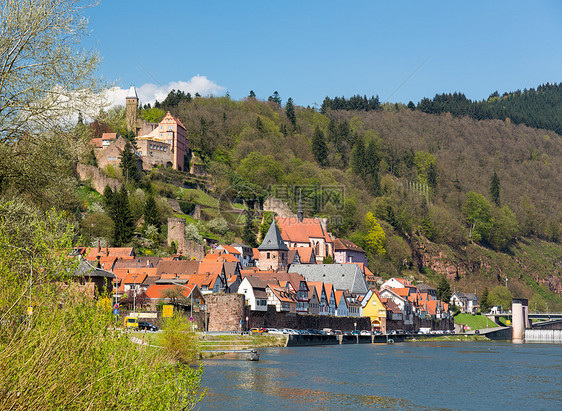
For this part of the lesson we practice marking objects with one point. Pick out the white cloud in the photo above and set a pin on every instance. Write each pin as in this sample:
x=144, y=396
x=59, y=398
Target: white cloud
x=149, y=93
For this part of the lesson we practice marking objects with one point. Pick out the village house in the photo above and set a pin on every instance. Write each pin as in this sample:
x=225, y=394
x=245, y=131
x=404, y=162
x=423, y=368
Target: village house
x=284, y=299
x=274, y=253
x=254, y=291
x=341, y=304
x=187, y=296
x=373, y=307
x=467, y=302
x=347, y=252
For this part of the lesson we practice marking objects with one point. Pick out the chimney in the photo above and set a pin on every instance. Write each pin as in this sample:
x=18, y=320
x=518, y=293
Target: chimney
x=99, y=246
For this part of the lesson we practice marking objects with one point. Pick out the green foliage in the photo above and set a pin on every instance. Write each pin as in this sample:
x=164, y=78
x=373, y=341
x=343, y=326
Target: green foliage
x=290, y=112
x=495, y=189
x=266, y=223
x=477, y=213
x=192, y=233
x=375, y=238
x=444, y=290
x=129, y=165
x=484, y=304
x=500, y=296
x=249, y=231
x=319, y=147
x=186, y=207
x=122, y=218
x=151, y=213
x=259, y=169
x=68, y=341
x=218, y=226
x=152, y=115
x=275, y=98
x=179, y=339
x=328, y=260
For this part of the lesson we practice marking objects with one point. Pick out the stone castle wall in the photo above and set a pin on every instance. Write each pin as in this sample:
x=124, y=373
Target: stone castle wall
x=226, y=311
x=97, y=179
x=188, y=248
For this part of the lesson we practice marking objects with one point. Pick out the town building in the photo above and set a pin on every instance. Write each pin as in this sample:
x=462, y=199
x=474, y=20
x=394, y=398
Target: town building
x=274, y=254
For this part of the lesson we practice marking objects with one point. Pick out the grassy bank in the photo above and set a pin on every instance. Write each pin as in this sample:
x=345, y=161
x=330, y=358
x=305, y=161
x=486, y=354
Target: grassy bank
x=449, y=338
x=475, y=322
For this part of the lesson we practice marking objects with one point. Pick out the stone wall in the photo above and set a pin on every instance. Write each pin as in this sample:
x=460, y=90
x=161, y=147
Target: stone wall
x=274, y=319
x=225, y=311
x=279, y=207
x=176, y=233
x=97, y=179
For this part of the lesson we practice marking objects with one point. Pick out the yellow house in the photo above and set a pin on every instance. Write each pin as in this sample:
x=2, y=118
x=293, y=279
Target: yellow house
x=375, y=310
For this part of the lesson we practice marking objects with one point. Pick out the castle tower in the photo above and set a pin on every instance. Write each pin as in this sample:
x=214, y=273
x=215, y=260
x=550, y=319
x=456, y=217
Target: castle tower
x=132, y=105
x=176, y=233
x=274, y=254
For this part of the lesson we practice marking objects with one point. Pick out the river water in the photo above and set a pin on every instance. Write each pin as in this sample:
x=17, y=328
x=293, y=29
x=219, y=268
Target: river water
x=412, y=375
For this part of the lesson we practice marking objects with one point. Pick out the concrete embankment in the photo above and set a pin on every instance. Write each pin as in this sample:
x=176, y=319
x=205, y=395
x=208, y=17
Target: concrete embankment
x=308, y=340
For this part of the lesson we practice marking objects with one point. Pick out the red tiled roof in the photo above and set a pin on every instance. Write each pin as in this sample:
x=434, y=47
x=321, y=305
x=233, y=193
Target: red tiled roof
x=256, y=253
x=343, y=244
x=202, y=280
x=210, y=267
x=109, y=136
x=296, y=232
x=96, y=142
x=117, y=252
x=338, y=295
x=134, y=278
x=230, y=249
x=156, y=291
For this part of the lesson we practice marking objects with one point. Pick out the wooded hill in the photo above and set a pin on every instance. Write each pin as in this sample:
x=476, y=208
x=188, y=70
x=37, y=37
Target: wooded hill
x=449, y=194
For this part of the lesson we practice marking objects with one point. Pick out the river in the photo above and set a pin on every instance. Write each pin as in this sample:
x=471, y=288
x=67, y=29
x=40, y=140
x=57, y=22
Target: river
x=413, y=375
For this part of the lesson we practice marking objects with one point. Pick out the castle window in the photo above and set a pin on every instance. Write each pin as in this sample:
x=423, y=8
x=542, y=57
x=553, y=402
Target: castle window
x=169, y=128
x=268, y=255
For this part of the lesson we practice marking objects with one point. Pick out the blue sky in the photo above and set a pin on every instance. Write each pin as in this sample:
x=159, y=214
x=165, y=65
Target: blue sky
x=308, y=50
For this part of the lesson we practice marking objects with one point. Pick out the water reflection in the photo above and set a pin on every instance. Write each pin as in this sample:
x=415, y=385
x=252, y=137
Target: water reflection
x=417, y=376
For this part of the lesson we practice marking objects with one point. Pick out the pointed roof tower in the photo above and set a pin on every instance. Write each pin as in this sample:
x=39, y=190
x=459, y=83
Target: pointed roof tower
x=273, y=240
x=132, y=93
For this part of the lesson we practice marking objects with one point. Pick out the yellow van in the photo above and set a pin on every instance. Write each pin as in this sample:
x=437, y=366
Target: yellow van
x=131, y=322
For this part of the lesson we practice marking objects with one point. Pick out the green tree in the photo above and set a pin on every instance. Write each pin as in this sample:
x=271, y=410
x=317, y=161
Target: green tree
x=249, y=230
x=375, y=237
x=319, y=147
x=252, y=94
x=444, y=290
x=129, y=165
x=477, y=213
x=432, y=176
x=495, y=189
x=108, y=200
x=152, y=115
x=151, y=213
x=358, y=158
x=86, y=374
x=91, y=160
x=122, y=218
x=266, y=223
x=290, y=112
x=275, y=98
x=484, y=304
x=500, y=296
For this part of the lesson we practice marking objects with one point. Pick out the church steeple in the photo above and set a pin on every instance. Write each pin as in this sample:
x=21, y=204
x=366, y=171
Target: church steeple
x=273, y=251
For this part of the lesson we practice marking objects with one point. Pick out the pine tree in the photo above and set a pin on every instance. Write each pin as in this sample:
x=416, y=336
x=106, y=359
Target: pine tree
x=495, y=189
x=252, y=94
x=290, y=112
x=249, y=232
x=129, y=165
x=122, y=218
x=358, y=157
x=484, y=304
x=151, y=213
x=444, y=290
x=319, y=147
x=108, y=200
x=275, y=98
x=432, y=175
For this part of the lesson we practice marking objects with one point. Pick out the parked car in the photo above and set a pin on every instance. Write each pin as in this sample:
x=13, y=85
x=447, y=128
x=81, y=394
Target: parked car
x=257, y=330
x=364, y=332
x=145, y=325
x=273, y=331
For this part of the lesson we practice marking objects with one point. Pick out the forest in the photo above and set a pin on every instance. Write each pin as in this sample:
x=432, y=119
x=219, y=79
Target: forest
x=393, y=179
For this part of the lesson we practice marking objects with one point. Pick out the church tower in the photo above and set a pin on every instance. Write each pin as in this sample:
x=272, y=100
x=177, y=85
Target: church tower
x=274, y=254
x=132, y=105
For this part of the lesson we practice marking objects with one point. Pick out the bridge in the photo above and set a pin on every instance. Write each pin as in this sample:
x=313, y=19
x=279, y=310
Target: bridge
x=535, y=316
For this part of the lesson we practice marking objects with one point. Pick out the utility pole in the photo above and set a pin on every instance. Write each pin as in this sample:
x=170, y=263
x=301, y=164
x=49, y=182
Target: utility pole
x=134, y=294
